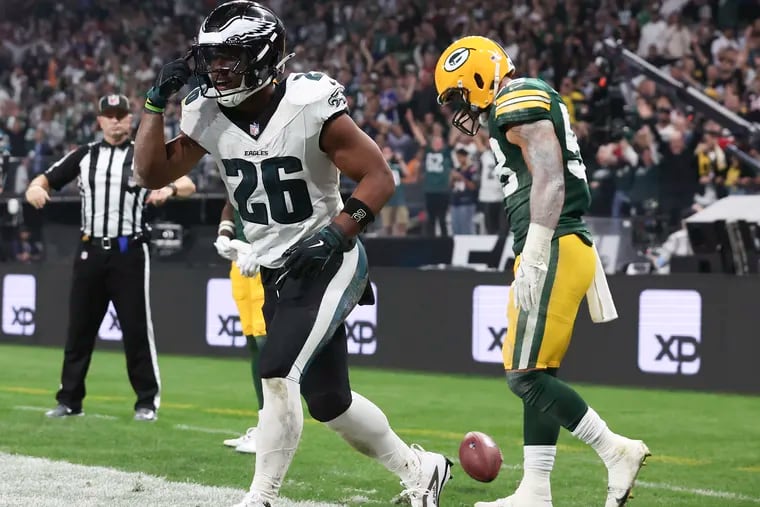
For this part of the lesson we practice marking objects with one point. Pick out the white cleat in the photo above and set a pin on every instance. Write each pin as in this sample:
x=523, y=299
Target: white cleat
x=630, y=457
x=145, y=414
x=248, y=445
x=519, y=499
x=234, y=442
x=253, y=499
x=433, y=474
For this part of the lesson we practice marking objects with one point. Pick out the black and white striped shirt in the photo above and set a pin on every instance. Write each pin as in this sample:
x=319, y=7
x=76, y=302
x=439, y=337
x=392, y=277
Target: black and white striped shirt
x=112, y=204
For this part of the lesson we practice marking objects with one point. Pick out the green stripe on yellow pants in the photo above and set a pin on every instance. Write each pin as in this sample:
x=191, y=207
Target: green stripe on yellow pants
x=539, y=339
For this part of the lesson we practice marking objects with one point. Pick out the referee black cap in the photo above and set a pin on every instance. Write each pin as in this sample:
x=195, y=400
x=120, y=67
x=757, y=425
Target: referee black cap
x=113, y=103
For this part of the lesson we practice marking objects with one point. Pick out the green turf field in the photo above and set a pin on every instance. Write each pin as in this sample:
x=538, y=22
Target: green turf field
x=705, y=447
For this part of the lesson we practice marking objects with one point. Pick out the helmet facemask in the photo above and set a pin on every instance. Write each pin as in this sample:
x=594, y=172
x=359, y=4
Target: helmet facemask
x=216, y=63
x=466, y=116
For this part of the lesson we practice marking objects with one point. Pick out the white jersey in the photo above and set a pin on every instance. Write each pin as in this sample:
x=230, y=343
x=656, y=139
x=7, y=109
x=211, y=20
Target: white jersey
x=490, y=186
x=277, y=177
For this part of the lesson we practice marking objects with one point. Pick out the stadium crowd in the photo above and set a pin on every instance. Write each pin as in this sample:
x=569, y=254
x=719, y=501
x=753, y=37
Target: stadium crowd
x=650, y=155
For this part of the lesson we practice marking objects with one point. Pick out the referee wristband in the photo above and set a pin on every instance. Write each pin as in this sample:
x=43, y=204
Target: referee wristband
x=359, y=212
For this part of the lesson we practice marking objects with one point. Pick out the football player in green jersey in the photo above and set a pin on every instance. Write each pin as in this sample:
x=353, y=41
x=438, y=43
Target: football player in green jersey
x=546, y=195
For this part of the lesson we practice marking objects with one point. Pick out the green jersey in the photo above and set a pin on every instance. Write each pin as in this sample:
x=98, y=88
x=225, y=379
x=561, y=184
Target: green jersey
x=398, y=198
x=527, y=100
x=437, y=166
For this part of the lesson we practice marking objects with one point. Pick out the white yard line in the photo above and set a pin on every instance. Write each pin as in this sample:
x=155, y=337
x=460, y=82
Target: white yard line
x=45, y=483
x=31, y=408
x=725, y=495
x=199, y=429
x=104, y=416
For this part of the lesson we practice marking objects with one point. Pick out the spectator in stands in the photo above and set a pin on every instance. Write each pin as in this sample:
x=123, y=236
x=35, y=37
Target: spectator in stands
x=678, y=180
x=622, y=161
x=677, y=245
x=54, y=64
x=644, y=193
x=490, y=193
x=395, y=214
x=436, y=177
x=677, y=38
x=712, y=166
x=464, y=193
x=602, y=181
x=740, y=179
x=652, y=34
x=24, y=250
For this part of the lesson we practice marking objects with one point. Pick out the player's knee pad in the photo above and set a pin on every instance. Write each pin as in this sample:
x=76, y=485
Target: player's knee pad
x=326, y=406
x=522, y=383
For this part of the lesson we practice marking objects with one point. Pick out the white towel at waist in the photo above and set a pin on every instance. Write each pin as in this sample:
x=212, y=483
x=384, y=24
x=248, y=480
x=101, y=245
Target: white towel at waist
x=601, y=307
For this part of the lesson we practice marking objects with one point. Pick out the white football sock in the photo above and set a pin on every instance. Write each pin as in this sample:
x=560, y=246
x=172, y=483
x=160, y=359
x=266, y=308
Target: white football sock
x=365, y=427
x=594, y=431
x=278, y=434
x=538, y=463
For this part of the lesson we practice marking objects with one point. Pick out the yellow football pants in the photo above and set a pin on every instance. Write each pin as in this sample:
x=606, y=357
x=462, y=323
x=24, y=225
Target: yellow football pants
x=539, y=339
x=249, y=298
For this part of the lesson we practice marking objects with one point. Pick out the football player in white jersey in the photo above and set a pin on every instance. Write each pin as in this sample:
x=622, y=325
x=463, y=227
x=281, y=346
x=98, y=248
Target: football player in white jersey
x=278, y=146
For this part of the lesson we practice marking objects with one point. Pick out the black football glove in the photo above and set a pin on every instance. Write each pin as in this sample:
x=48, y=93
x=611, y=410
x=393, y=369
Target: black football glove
x=170, y=80
x=308, y=257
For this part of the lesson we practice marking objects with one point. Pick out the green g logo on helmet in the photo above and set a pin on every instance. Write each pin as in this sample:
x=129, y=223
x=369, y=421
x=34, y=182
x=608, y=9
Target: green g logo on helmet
x=456, y=59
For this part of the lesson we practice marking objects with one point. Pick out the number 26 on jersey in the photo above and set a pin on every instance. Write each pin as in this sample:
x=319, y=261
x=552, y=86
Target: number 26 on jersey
x=288, y=199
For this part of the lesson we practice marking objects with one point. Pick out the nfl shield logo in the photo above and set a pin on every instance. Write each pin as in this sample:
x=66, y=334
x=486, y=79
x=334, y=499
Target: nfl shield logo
x=254, y=129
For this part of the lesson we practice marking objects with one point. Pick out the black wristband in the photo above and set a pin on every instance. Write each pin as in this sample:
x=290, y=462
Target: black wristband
x=359, y=212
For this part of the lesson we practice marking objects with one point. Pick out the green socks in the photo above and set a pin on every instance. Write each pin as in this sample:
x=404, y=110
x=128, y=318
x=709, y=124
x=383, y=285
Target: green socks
x=547, y=396
x=255, y=344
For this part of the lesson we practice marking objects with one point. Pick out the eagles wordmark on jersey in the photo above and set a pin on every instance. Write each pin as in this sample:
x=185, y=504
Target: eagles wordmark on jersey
x=526, y=100
x=279, y=180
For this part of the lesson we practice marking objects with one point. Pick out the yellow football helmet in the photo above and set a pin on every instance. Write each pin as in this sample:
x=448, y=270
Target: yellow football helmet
x=467, y=75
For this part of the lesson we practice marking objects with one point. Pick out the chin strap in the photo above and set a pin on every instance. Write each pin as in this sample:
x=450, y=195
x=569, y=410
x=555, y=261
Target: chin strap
x=235, y=99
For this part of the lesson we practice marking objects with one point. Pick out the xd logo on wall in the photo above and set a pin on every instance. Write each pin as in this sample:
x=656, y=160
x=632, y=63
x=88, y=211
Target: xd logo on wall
x=489, y=322
x=223, y=328
x=361, y=328
x=19, y=304
x=670, y=331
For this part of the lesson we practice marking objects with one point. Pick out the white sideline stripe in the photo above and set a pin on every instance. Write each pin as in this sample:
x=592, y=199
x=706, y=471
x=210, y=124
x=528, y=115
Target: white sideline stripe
x=149, y=322
x=30, y=408
x=213, y=431
x=726, y=495
x=103, y=416
x=45, y=483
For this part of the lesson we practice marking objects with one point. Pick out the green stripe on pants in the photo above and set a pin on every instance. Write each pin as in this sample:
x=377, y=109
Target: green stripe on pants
x=535, y=320
x=544, y=305
x=522, y=321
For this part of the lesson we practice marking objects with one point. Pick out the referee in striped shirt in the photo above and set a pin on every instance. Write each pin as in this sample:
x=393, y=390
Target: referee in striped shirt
x=112, y=262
